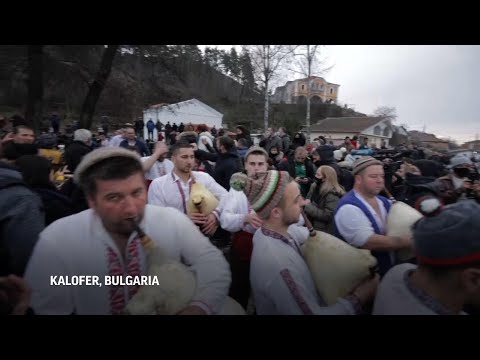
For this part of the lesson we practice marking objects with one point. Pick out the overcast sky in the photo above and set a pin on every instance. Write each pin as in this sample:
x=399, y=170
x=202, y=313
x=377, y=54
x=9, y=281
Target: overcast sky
x=436, y=86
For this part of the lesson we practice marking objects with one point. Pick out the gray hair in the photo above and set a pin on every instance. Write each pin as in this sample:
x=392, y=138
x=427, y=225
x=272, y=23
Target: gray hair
x=82, y=135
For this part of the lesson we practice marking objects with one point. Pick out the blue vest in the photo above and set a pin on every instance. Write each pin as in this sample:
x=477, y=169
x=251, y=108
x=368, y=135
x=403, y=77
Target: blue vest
x=383, y=257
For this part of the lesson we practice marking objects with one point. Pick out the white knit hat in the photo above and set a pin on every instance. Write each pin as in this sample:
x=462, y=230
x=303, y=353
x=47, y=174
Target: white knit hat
x=100, y=154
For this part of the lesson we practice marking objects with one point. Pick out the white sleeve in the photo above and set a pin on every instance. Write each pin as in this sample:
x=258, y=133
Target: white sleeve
x=292, y=297
x=353, y=225
x=299, y=233
x=209, y=140
x=218, y=190
x=301, y=221
x=155, y=193
x=46, y=262
x=230, y=218
x=211, y=269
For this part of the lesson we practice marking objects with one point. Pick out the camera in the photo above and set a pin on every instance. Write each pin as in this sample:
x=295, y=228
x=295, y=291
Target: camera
x=473, y=175
x=392, y=160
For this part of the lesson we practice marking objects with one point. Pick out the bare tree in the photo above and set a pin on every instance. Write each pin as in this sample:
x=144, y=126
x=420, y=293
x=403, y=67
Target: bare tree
x=34, y=108
x=96, y=88
x=267, y=60
x=308, y=63
x=387, y=112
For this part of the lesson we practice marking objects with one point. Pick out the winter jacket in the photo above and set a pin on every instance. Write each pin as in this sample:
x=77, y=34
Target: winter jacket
x=74, y=153
x=321, y=209
x=225, y=165
x=21, y=220
x=139, y=146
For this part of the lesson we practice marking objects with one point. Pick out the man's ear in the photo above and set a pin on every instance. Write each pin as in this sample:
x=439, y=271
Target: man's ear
x=276, y=213
x=358, y=179
x=471, y=280
x=91, y=202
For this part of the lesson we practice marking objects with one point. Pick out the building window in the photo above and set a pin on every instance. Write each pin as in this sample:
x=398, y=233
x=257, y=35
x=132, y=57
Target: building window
x=377, y=130
x=303, y=87
x=331, y=90
x=386, y=132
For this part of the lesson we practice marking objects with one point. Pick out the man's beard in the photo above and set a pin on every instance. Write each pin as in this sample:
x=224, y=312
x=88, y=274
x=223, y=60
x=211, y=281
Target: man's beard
x=186, y=170
x=289, y=220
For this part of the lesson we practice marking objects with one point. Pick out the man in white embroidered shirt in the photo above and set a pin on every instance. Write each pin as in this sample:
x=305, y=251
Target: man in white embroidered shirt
x=239, y=218
x=281, y=281
x=173, y=190
x=103, y=241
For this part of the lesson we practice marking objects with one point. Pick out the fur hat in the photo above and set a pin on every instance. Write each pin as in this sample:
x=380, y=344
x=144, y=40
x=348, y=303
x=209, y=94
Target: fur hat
x=264, y=191
x=363, y=163
x=448, y=236
x=100, y=154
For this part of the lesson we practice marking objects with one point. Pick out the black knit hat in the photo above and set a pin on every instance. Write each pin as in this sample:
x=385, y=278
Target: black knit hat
x=448, y=236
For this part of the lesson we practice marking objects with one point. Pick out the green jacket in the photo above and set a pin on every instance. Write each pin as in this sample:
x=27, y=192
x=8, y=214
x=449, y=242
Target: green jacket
x=322, y=208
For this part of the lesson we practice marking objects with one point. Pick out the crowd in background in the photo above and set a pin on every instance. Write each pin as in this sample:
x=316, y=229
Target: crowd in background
x=37, y=185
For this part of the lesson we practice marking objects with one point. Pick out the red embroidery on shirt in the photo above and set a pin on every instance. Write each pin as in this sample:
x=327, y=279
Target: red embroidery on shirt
x=133, y=268
x=292, y=286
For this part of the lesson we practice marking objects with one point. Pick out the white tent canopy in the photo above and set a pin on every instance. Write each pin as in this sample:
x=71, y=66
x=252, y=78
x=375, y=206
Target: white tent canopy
x=190, y=111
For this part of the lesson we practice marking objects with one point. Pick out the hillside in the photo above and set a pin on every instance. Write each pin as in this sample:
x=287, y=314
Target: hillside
x=144, y=76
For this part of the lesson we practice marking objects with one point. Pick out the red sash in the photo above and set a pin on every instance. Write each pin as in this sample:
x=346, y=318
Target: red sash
x=242, y=244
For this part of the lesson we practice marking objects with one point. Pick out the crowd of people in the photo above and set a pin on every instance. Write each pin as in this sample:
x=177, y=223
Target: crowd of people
x=74, y=208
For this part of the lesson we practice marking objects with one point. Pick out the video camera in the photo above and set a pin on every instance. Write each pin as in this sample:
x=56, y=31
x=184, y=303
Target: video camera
x=473, y=175
x=394, y=155
x=394, y=159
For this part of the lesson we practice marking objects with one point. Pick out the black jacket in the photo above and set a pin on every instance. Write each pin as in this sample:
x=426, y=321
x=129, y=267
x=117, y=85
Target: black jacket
x=21, y=221
x=74, y=153
x=76, y=196
x=55, y=204
x=414, y=187
x=225, y=165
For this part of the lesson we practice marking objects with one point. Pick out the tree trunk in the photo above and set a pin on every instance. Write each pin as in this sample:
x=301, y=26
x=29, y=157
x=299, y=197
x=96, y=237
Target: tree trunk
x=96, y=88
x=34, y=108
x=266, y=74
x=308, y=115
x=265, y=113
x=309, y=67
